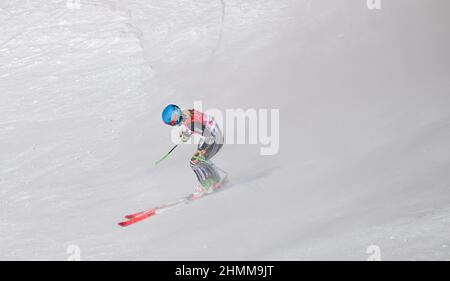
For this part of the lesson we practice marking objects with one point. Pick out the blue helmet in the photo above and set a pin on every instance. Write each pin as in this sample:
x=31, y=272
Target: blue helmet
x=171, y=115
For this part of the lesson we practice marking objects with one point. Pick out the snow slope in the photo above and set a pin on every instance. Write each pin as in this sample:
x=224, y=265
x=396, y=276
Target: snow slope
x=364, y=136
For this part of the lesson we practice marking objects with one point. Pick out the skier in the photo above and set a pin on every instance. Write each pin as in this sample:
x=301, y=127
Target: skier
x=192, y=122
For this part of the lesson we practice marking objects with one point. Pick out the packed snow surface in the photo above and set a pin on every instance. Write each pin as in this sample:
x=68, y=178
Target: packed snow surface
x=364, y=103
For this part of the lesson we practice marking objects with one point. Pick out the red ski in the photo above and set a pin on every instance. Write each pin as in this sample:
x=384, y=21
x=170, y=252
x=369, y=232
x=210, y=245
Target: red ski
x=137, y=217
x=140, y=216
x=133, y=215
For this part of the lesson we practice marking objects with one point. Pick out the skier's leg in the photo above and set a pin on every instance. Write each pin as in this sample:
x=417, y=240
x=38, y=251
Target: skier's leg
x=208, y=152
x=212, y=150
x=201, y=169
x=202, y=173
x=198, y=169
x=205, y=173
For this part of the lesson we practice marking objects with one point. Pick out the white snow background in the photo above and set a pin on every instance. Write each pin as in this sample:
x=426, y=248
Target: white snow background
x=364, y=106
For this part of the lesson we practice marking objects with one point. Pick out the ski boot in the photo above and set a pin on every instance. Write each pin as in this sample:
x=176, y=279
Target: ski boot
x=220, y=184
x=206, y=187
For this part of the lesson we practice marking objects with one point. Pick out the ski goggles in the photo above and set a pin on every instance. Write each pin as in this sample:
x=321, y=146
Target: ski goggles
x=175, y=120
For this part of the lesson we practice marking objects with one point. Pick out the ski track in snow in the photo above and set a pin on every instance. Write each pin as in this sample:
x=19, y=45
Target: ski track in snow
x=364, y=145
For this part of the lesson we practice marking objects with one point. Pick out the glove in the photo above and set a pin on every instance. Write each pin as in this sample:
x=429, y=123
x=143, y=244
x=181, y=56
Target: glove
x=184, y=136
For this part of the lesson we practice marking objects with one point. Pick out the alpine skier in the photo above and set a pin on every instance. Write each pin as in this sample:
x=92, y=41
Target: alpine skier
x=192, y=122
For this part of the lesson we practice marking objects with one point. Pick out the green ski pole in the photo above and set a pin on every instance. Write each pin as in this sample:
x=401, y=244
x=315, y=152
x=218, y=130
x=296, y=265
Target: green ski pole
x=166, y=155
